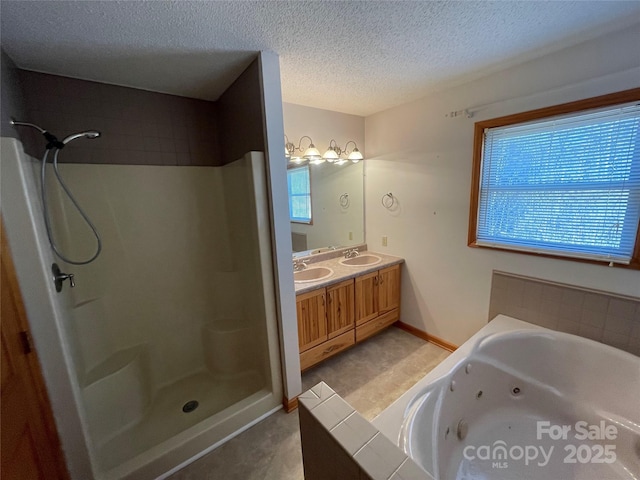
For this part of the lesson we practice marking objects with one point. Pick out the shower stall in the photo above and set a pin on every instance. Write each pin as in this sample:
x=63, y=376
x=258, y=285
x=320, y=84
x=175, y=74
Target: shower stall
x=170, y=335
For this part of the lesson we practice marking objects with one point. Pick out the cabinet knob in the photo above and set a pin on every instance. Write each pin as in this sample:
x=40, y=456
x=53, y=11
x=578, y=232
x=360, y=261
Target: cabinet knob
x=375, y=280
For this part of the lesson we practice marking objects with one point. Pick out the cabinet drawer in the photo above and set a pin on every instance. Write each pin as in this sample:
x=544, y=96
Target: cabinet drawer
x=326, y=350
x=374, y=326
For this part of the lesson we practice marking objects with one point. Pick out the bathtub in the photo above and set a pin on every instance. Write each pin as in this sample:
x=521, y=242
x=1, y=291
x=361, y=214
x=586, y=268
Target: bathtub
x=518, y=401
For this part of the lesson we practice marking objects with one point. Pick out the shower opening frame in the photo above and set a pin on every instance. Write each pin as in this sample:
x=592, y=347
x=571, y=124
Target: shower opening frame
x=28, y=241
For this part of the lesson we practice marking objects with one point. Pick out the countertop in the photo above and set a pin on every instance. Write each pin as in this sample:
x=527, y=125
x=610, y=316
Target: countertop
x=343, y=272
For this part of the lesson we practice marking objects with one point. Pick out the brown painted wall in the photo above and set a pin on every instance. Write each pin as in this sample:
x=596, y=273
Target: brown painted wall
x=11, y=100
x=138, y=127
x=241, y=116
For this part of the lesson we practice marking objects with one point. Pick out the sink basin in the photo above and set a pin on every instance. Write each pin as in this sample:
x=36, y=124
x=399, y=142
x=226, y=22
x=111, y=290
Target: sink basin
x=312, y=274
x=361, y=260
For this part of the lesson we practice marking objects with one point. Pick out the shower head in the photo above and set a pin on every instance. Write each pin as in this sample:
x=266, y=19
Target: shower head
x=89, y=134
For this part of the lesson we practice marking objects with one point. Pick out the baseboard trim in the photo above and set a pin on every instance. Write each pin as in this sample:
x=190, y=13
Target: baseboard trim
x=426, y=336
x=290, y=405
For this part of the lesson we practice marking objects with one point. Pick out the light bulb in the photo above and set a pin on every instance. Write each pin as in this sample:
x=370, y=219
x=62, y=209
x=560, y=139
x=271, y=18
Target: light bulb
x=330, y=155
x=355, y=155
x=312, y=153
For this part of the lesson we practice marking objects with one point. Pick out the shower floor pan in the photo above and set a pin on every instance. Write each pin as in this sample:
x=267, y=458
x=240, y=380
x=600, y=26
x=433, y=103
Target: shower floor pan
x=166, y=418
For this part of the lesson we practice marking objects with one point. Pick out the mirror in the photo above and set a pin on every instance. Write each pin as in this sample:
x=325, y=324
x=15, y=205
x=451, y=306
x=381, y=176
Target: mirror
x=337, y=208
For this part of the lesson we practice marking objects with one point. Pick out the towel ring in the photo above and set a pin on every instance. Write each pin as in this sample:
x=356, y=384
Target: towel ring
x=344, y=200
x=388, y=200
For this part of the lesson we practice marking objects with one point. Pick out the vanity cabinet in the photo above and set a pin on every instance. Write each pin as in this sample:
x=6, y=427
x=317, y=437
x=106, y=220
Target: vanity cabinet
x=312, y=323
x=366, y=297
x=377, y=293
x=377, y=301
x=326, y=319
x=340, y=308
x=333, y=318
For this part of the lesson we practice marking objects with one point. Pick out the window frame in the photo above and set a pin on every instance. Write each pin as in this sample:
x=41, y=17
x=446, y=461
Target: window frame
x=301, y=222
x=613, y=99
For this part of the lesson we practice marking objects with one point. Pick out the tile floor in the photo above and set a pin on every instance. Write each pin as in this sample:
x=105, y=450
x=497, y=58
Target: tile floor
x=369, y=376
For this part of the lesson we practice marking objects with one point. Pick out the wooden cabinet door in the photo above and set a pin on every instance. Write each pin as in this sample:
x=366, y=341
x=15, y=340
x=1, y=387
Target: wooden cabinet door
x=366, y=297
x=312, y=319
x=30, y=445
x=388, y=289
x=340, y=308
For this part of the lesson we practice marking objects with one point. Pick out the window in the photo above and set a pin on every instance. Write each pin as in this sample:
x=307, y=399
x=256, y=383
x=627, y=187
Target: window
x=561, y=181
x=299, y=187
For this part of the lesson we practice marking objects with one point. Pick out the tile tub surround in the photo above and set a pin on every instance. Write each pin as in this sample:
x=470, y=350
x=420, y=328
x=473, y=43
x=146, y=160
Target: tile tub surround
x=605, y=317
x=342, y=272
x=369, y=378
x=337, y=442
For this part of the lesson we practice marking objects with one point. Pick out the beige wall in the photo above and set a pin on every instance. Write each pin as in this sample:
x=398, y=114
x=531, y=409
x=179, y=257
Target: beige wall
x=424, y=157
x=322, y=126
x=279, y=215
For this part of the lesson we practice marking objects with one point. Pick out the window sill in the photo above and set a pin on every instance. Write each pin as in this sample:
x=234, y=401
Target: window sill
x=634, y=265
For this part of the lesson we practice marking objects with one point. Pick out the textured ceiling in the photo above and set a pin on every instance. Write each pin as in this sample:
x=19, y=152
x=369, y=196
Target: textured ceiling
x=357, y=57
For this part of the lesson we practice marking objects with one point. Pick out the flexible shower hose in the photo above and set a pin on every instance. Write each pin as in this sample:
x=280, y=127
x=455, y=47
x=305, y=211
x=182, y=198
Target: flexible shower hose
x=45, y=208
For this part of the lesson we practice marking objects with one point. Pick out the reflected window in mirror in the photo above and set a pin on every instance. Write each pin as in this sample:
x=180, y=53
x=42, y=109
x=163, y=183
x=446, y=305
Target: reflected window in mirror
x=299, y=189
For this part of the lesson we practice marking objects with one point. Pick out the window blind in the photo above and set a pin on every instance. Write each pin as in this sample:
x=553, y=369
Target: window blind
x=567, y=186
x=299, y=188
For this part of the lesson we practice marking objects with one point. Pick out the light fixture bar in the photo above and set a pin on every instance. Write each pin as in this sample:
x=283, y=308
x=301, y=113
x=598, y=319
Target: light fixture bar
x=334, y=154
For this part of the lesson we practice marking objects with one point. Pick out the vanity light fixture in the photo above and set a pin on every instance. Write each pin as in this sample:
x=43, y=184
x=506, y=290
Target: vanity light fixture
x=331, y=155
x=289, y=148
x=311, y=153
x=334, y=154
x=355, y=156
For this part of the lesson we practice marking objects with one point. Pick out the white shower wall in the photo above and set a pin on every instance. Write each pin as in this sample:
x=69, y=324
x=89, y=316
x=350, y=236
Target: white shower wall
x=178, y=306
x=167, y=266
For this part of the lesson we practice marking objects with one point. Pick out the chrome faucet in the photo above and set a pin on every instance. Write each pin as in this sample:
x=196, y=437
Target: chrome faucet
x=351, y=253
x=299, y=265
x=59, y=277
